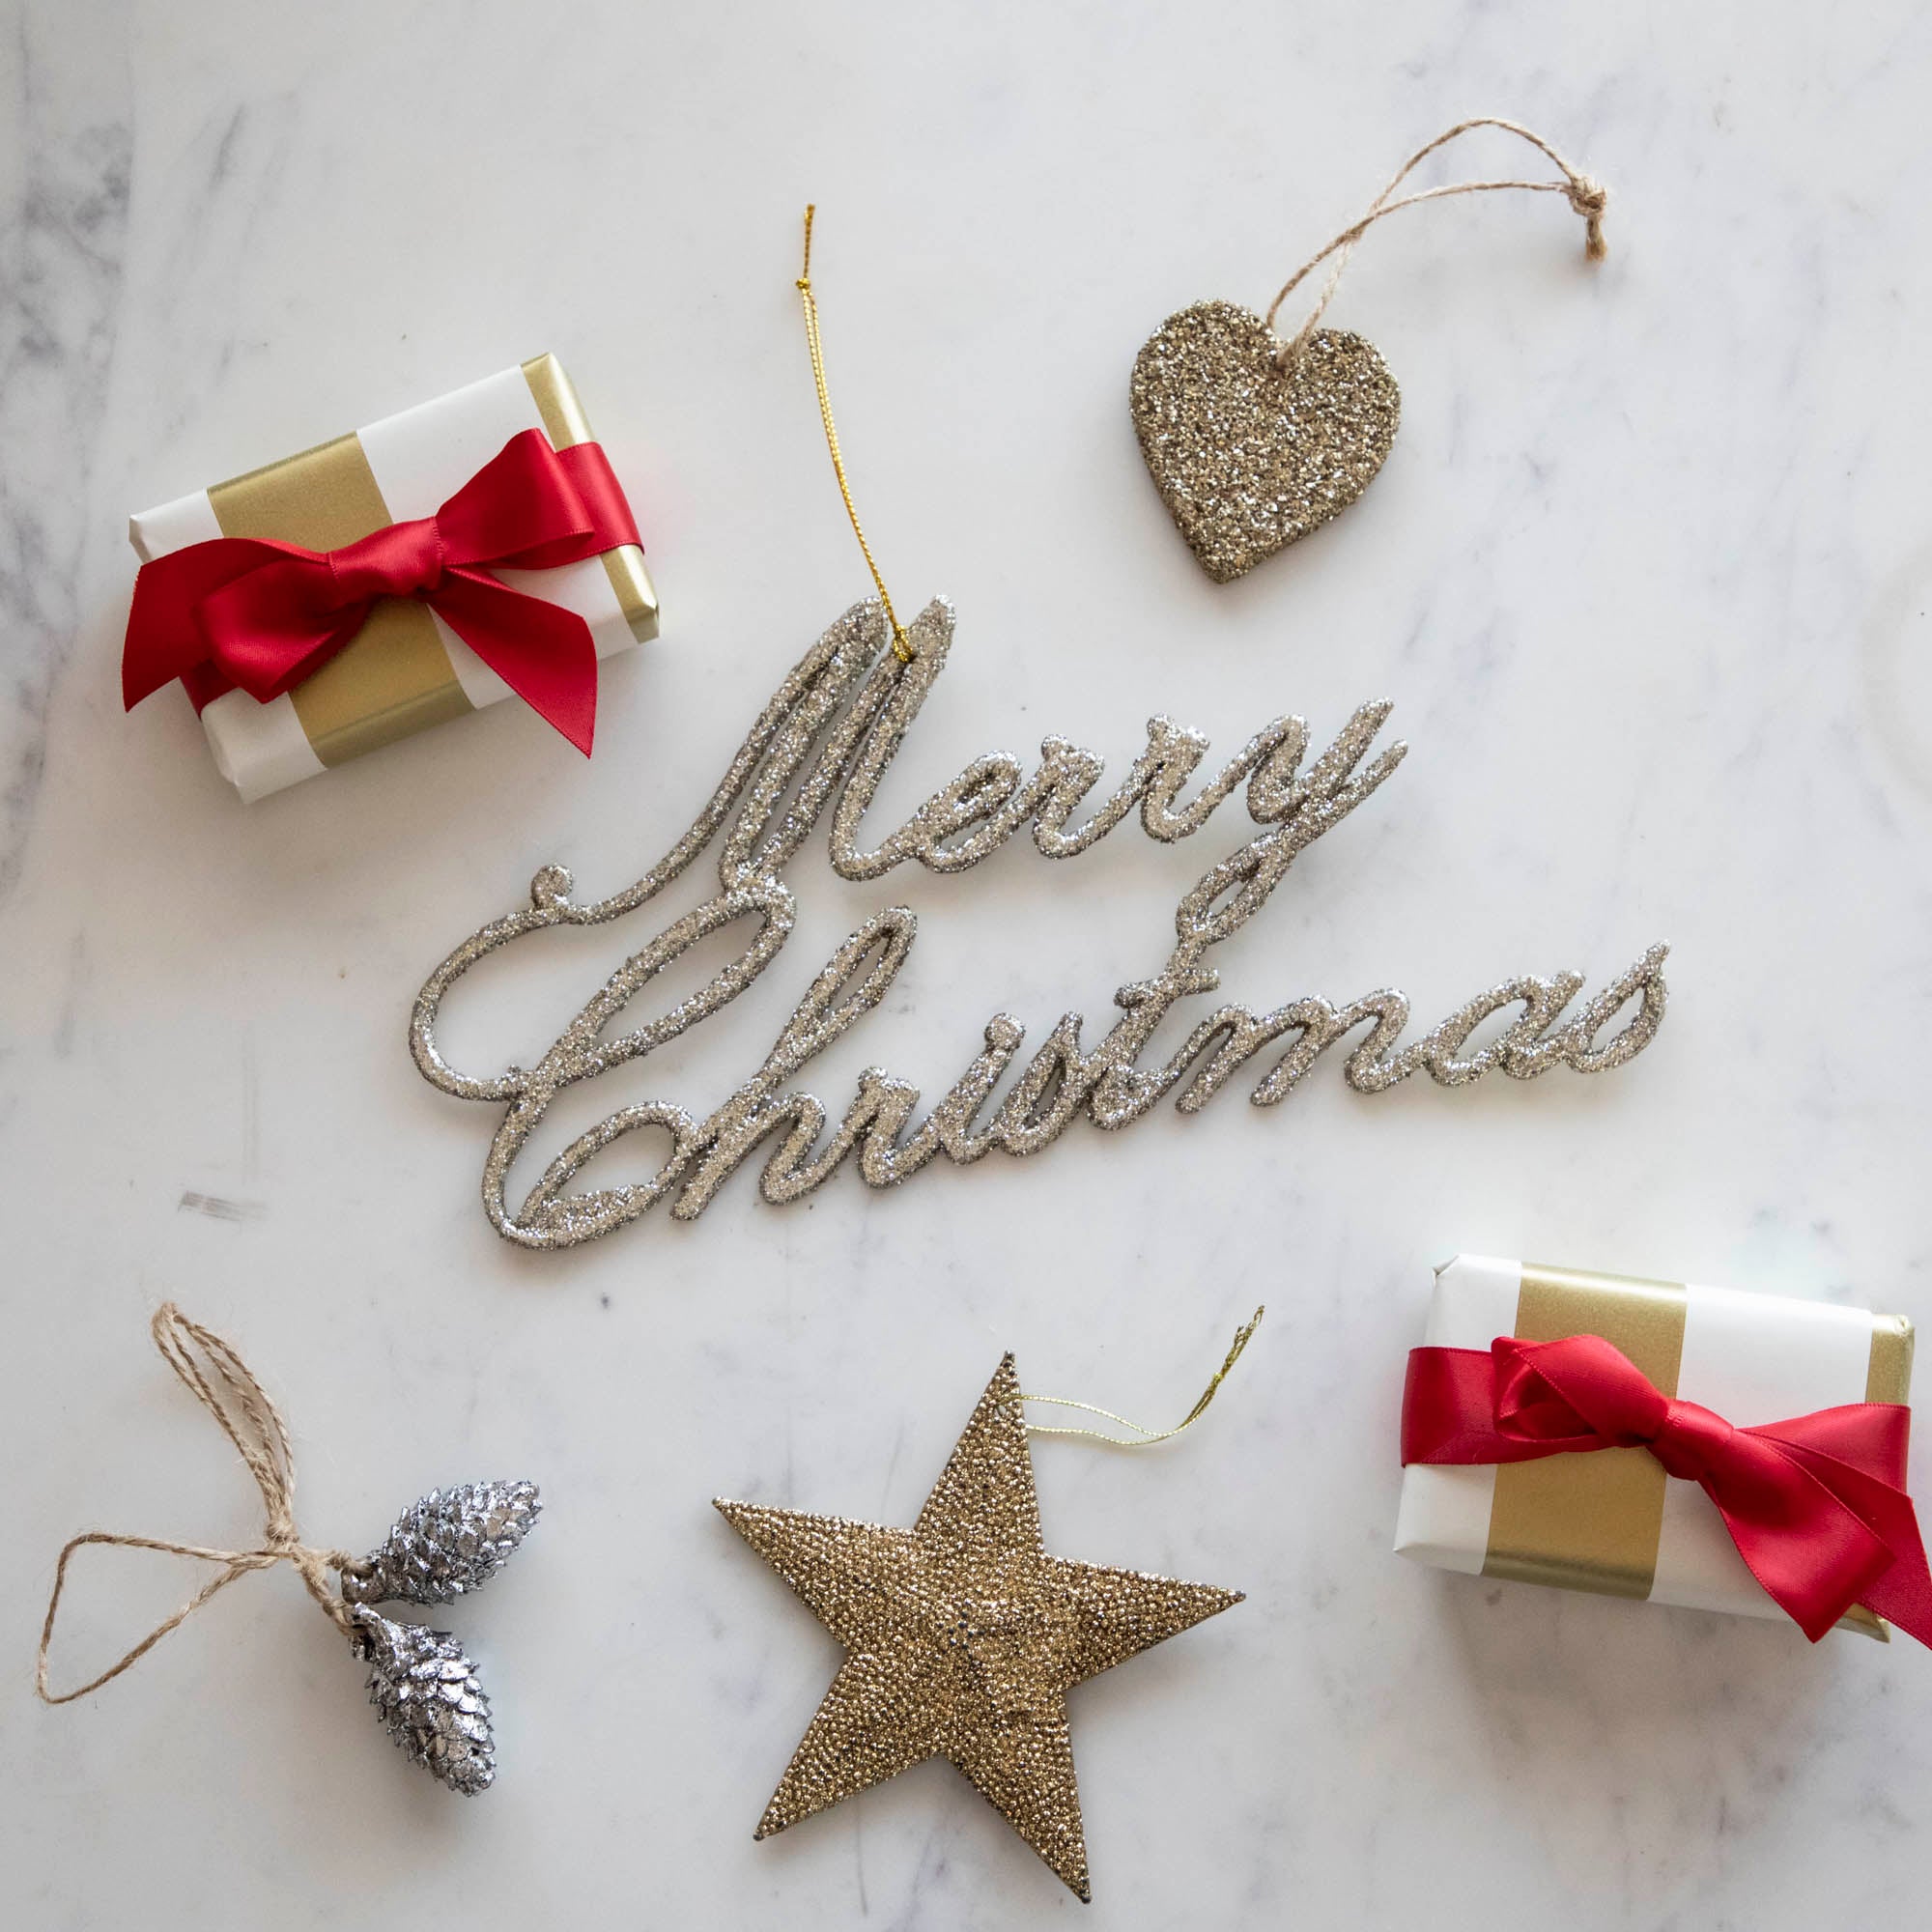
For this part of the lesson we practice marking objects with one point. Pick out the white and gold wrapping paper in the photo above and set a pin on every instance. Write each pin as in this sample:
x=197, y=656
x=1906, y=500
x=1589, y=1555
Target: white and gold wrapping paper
x=405, y=669
x=1611, y=1521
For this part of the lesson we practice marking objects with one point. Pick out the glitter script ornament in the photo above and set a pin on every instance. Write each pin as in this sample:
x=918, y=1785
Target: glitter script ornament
x=962, y=1637
x=1253, y=442
x=823, y=745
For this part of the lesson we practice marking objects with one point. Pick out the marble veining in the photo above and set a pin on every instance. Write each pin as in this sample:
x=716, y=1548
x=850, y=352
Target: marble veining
x=63, y=238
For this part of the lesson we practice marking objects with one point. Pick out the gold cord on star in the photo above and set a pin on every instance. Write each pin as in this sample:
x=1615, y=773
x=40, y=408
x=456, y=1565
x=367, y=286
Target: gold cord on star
x=901, y=645
x=1144, y=1438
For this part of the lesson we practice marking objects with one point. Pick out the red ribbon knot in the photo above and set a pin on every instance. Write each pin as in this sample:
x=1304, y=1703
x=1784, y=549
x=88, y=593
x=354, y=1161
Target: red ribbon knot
x=1694, y=1441
x=1816, y=1504
x=395, y=562
x=247, y=614
x=1621, y=1406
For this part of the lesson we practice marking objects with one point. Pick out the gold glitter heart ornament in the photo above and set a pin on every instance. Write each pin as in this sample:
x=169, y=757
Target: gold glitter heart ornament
x=1254, y=442
x=1252, y=449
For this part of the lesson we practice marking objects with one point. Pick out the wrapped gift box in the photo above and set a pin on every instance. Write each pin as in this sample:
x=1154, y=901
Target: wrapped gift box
x=406, y=668
x=1613, y=1521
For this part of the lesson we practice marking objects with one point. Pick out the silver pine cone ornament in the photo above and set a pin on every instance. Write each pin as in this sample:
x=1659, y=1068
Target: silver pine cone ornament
x=446, y=1545
x=428, y=1696
x=422, y=1681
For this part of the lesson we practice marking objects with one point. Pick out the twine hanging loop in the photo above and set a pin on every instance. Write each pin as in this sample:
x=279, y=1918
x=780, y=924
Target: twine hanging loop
x=1587, y=197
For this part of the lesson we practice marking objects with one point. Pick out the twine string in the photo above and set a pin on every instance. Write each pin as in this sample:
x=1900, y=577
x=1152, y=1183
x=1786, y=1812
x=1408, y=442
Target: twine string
x=1587, y=197
x=253, y=1423
x=1143, y=1438
x=901, y=643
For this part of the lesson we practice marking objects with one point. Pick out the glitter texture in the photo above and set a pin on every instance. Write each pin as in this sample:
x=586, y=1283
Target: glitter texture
x=963, y=1638
x=1248, y=456
x=446, y=1545
x=430, y=1699
x=820, y=748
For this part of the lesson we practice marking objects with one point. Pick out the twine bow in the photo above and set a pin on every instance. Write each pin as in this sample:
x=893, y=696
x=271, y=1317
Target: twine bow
x=231, y=1395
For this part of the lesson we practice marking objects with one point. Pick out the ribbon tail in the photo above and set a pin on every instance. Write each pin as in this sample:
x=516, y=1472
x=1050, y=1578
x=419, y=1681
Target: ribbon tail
x=543, y=652
x=1902, y=1591
x=1795, y=1519
x=1903, y=1594
x=154, y=652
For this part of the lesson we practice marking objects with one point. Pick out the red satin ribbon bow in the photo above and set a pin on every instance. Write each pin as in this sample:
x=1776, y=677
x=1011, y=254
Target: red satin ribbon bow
x=249, y=614
x=1816, y=1505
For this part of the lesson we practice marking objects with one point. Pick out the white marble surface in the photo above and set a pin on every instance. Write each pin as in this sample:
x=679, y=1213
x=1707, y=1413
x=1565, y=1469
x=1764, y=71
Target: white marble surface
x=1646, y=577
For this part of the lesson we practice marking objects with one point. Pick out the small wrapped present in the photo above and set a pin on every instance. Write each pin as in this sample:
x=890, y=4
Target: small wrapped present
x=1685, y=1445
x=434, y=563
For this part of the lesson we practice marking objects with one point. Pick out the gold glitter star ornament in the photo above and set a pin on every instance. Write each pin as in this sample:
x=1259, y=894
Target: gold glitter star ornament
x=962, y=1637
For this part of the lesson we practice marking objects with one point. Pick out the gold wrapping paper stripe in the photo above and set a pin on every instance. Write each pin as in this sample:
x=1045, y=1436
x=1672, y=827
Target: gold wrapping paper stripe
x=1589, y=1523
x=1593, y=1522
x=1890, y=1375
x=565, y=423
x=394, y=678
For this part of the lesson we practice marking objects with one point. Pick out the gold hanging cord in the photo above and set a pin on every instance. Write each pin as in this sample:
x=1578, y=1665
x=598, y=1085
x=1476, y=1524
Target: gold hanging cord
x=901, y=643
x=1144, y=1438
